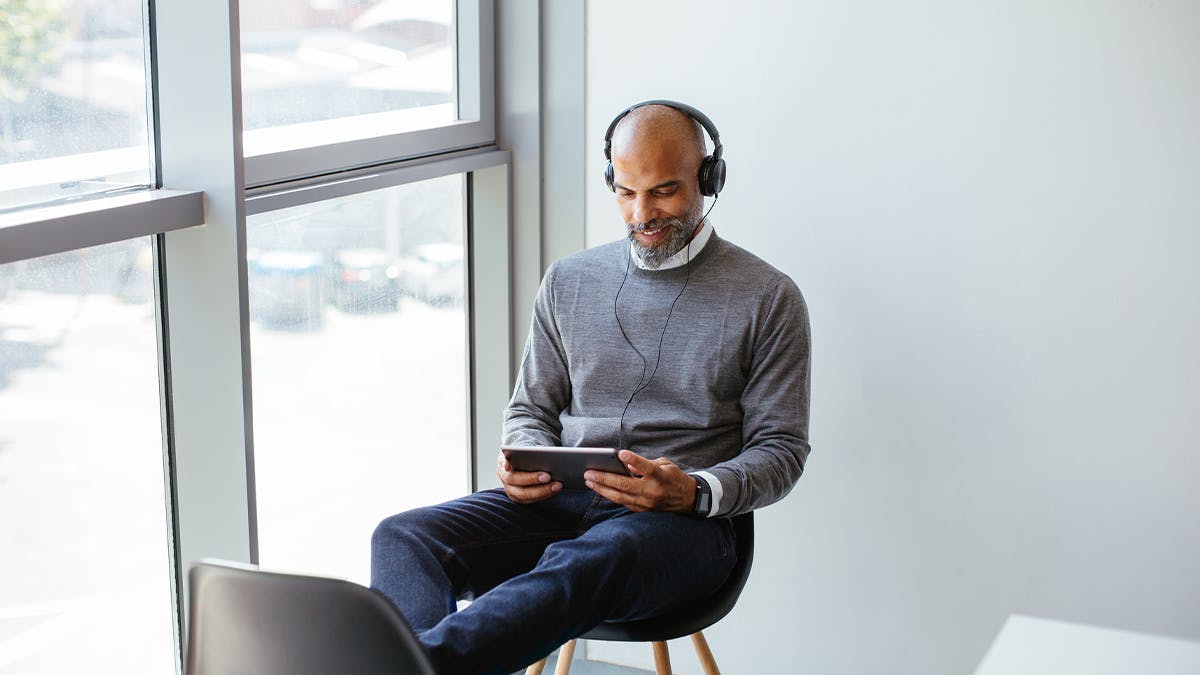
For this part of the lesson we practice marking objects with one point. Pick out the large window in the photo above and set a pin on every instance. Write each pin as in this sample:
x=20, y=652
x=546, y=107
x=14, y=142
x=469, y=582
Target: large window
x=337, y=84
x=290, y=368
x=73, y=104
x=367, y=293
x=85, y=581
x=316, y=72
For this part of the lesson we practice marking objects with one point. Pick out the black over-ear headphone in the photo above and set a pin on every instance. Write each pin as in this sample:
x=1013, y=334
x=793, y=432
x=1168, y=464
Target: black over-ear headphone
x=712, y=170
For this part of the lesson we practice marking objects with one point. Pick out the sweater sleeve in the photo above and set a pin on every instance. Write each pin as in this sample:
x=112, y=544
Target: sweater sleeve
x=775, y=408
x=543, y=388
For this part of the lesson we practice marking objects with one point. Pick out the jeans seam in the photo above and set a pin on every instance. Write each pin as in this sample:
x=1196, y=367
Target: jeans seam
x=588, y=511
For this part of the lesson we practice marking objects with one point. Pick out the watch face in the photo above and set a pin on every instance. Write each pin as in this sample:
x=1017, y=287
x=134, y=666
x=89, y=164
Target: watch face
x=703, y=499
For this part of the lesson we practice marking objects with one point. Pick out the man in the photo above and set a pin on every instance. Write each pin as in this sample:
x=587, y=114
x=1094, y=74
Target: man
x=678, y=345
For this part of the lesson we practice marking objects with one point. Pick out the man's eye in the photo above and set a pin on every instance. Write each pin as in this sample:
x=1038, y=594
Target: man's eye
x=664, y=193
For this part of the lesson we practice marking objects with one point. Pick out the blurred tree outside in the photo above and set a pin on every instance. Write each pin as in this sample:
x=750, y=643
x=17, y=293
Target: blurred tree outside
x=30, y=33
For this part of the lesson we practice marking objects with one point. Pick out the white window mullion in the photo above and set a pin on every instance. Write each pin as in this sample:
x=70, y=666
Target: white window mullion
x=205, y=309
x=489, y=341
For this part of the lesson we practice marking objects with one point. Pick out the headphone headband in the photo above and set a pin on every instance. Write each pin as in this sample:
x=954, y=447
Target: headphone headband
x=694, y=113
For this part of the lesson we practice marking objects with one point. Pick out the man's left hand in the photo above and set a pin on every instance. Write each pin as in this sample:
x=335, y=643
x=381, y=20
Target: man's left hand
x=656, y=485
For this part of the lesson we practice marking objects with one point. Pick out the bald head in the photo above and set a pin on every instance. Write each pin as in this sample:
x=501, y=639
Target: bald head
x=659, y=129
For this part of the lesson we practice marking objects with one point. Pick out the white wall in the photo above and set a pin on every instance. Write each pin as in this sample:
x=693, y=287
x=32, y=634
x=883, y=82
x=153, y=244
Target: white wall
x=993, y=209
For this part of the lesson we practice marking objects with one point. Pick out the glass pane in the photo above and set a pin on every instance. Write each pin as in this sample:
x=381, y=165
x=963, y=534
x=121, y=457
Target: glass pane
x=72, y=100
x=358, y=343
x=322, y=71
x=85, y=578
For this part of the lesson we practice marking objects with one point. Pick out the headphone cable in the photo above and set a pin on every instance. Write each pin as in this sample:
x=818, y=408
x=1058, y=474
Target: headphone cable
x=658, y=358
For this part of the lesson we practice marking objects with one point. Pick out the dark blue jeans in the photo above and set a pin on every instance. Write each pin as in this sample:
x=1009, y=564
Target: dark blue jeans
x=539, y=574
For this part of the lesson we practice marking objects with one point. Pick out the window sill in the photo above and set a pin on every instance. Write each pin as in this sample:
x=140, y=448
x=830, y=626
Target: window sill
x=37, y=232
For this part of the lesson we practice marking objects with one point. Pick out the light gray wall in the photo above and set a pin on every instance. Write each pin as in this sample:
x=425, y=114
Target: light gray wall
x=994, y=211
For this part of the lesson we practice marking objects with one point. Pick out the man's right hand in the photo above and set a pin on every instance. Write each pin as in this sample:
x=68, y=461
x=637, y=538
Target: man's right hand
x=525, y=487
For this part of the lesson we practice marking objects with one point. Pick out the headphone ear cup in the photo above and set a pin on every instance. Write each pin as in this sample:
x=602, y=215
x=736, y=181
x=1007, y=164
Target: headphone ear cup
x=712, y=176
x=718, y=179
x=608, y=177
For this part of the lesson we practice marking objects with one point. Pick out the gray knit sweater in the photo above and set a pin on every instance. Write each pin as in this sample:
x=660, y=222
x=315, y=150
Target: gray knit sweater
x=729, y=396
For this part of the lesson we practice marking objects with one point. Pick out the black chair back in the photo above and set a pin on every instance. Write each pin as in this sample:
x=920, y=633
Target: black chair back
x=248, y=621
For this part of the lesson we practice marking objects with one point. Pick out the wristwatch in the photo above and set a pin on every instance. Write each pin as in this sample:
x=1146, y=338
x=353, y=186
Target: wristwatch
x=703, y=503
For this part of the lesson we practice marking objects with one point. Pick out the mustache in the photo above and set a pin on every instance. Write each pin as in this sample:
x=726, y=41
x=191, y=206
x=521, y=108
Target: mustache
x=676, y=223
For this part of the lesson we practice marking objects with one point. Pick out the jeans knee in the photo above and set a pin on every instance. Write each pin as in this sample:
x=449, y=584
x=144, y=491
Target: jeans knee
x=626, y=545
x=396, y=530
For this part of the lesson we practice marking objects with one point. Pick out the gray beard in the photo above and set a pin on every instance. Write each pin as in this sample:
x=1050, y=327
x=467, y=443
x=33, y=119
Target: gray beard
x=679, y=233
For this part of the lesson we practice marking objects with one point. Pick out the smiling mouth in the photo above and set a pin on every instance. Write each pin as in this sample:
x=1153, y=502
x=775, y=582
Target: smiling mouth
x=651, y=234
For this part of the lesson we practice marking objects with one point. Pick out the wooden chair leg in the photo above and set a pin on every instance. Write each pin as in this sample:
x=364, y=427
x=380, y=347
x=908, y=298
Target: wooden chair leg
x=536, y=668
x=565, y=654
x=704, y=654
x=662, y=659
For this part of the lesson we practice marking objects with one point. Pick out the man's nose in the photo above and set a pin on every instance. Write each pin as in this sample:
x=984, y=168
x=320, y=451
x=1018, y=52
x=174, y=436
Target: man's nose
x=644, y=209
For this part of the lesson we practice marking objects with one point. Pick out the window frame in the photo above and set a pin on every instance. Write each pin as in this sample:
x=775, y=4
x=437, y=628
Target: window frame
x=196, y=213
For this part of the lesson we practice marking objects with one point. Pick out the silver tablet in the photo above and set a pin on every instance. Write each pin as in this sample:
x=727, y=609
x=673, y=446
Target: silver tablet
x=564, y=464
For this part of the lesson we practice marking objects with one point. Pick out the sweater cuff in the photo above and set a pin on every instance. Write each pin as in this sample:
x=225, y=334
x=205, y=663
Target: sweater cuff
x=714, y=487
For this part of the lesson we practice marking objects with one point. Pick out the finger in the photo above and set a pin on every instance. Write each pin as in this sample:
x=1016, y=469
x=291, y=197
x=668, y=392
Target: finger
x=503, y=466
x=527, y=494
x=632, y=501
x=636, y=462
x=612, y=480
x=525, y=478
